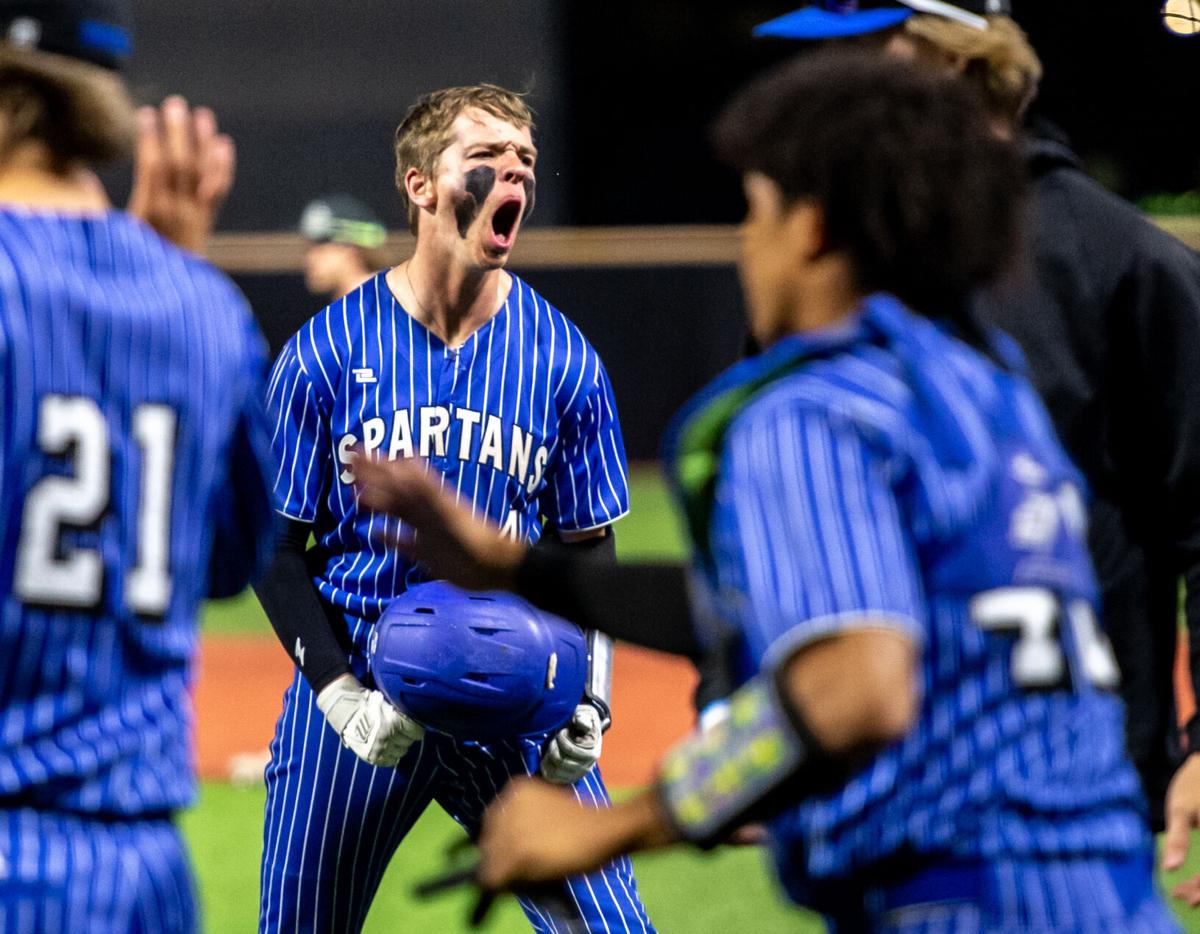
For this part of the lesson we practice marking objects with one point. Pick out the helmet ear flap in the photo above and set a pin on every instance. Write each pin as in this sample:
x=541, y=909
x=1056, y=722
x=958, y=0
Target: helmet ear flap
x=479, y=667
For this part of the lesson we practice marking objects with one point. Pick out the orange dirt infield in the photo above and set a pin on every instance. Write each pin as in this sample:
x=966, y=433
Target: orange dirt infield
x=1185, y=697
x=242, y=679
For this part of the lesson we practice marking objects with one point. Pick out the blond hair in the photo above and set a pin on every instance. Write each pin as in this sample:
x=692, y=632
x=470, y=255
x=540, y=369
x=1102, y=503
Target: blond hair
x=79, y=111
x=999, y=60
x=427, y=128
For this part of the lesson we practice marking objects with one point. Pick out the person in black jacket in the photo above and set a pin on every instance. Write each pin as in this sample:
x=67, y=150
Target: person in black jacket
x=1108, y=316
x=1109, y=320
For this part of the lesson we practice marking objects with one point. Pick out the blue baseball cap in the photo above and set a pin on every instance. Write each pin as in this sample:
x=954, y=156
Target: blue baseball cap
x=94, y=31
x=836, y=19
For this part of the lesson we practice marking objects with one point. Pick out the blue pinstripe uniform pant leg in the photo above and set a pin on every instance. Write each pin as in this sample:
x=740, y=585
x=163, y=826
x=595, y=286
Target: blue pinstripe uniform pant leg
x=61, y=872
x=333, y=822
x=1044, y=896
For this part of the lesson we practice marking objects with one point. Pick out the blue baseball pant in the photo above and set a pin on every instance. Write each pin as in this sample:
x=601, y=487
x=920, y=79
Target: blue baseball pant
x=333, y=823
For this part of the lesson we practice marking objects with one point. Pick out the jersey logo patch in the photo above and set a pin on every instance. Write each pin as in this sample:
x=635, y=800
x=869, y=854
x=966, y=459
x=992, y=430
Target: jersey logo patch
x=365, y=375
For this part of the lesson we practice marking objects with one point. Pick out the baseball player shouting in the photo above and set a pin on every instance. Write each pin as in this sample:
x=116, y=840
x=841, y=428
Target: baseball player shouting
x=450, y=358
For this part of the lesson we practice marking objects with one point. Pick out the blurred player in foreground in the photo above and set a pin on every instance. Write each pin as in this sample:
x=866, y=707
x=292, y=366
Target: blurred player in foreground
x=345, y=240
x=447, y=357
x=134, y=449
x=880, y=512
x=1109, y=319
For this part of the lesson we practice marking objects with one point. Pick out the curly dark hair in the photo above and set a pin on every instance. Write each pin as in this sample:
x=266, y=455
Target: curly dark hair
x=918, y=191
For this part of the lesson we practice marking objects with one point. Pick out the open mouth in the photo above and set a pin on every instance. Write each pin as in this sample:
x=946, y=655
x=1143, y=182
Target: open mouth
x=504, y=222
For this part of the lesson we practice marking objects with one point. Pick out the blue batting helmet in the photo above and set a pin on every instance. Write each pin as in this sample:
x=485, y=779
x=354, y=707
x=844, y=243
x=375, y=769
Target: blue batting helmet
x=479, y=666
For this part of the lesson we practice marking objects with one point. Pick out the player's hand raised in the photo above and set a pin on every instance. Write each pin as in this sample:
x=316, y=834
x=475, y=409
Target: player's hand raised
x=575, y=748
x=1183, y=816
x=444, y=537
x=367, y=723
x=183, y=169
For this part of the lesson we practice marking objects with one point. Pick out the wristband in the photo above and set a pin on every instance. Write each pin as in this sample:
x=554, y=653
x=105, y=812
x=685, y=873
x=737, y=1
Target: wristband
x=749, y=765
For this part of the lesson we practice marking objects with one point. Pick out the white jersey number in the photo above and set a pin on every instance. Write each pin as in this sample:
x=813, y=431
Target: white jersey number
x=1035, y=615
x=50, y=573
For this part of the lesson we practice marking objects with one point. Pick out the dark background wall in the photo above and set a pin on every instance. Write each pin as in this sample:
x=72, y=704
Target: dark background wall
x=312, y=90
x=646, y=77
x=624, y=90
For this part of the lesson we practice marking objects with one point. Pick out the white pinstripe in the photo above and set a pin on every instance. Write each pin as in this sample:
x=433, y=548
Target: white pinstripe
x=622, y=869
x=324, y=833
x=527, y=904
x=304, y=848
x=362, y=827
x=267, y=881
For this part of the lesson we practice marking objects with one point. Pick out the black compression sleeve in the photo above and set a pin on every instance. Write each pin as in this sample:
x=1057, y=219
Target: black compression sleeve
x=643, y=603
x=305, y=624
x=598, y=549
x=716, y=666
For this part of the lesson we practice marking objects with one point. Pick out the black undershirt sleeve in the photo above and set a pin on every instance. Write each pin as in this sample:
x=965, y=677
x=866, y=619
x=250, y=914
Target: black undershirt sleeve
x=598, y=549
x=645, y=603
x=307, y=626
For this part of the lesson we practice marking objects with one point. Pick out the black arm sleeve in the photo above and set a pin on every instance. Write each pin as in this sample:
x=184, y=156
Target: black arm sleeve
x=643, y=603
x=598, y=549
x=306, y=625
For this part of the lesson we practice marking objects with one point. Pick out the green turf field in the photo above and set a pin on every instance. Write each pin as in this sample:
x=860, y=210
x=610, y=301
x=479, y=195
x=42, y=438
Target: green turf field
x=684, y=892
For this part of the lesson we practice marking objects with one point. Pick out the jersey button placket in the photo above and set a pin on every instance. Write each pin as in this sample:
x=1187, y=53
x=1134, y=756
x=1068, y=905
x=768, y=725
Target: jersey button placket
x=447, y=395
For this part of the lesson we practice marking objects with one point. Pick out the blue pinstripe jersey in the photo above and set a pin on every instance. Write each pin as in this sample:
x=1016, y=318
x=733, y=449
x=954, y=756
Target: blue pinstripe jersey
x=896, y=477
x=519, y=420
x=132, y=438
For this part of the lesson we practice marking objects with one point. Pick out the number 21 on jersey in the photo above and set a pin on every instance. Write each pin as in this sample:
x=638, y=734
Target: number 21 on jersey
x=48, y=572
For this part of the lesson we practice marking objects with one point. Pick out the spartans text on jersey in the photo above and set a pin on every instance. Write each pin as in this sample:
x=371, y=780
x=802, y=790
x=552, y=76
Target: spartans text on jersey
x=481, y=440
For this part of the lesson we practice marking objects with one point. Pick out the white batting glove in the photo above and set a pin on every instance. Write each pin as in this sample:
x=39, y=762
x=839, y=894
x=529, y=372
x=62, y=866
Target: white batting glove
x=575, y=748
x=368, y=724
